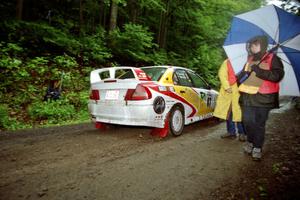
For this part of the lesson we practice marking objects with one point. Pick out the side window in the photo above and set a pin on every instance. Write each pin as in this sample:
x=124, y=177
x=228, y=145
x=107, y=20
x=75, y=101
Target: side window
x=155, y=73
x=197, y=81
x=181, y=77
x=124, y=73
x=175, y=79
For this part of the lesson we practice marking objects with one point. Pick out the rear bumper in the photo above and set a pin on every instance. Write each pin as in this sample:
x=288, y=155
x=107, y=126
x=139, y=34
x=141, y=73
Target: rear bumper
x=119, y=113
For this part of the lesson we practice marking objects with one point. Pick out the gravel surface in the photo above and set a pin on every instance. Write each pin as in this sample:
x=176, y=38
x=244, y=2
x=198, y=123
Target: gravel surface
x=81, y=162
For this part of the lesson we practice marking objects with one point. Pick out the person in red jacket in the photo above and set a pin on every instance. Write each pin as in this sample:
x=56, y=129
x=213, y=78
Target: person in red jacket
x=259, y=93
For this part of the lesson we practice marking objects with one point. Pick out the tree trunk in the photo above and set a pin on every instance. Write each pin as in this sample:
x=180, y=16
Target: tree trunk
x=81, y=16
x=133, y=10
x=19, y=9
x=163, y=27
x=101, y=13
x=113, y=15
x=160, y=29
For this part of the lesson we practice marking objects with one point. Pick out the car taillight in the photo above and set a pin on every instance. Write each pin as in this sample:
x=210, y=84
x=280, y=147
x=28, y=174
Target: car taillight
x=139, y=93
x=94, y=95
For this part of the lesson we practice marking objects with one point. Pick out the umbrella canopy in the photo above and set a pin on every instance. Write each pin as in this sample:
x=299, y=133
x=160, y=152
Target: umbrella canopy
x=283, y=32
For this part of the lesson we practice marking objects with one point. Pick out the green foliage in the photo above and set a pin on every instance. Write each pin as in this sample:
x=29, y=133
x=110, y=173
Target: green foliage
x=93, y=47
x=41, y=37
x=72, y=107
x=7, y=122
x=17, y=73
x=52, y=111
x=58, y=46
x=152, y=4
x=78, y=100
x=159, y=57
x=65, y=61
x=207, y=62
x=4, y=117
x=9, y=62
x=9, y=52
x=11, y=48
x=37, y=66
x=134, y=42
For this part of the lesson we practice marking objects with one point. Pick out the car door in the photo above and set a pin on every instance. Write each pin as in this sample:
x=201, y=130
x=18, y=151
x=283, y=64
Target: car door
x=183, y=86
x=206, y=97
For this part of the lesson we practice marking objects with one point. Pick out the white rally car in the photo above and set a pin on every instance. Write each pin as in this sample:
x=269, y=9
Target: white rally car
x=163, y=97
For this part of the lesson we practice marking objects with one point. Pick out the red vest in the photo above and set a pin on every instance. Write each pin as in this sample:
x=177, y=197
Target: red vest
x=231, y=75
x=267, y=87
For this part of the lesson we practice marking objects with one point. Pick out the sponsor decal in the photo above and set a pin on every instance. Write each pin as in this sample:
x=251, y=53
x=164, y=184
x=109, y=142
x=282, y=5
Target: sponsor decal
x=171, y=89
x=205, y=116
x=158, y=117
x=179, y=98
x=208, y=98
x=162, y=88
x=159, y=105
x=141, y=75
x=202, y=95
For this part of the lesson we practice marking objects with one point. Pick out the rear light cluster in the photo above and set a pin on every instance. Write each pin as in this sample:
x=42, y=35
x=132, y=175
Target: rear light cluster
x=139, y=93
x=95, y=95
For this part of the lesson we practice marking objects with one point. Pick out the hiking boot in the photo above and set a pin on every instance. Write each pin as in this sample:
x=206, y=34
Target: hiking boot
x=242, y=137
x=248, y=147
x=228, y=136
x=256, y=154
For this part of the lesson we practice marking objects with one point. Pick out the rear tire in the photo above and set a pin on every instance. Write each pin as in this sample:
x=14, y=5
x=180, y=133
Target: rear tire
x=176, y=121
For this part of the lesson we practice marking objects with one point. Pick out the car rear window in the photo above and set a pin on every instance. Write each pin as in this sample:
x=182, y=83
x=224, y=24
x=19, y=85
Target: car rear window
x=155, y=73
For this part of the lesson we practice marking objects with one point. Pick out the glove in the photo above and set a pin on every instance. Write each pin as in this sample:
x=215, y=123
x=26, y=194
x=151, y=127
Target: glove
x=255, y=68
x=242, y=76
x=229, y=90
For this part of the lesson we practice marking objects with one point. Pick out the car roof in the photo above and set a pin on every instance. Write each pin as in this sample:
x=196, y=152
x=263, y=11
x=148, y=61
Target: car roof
x=167, y=66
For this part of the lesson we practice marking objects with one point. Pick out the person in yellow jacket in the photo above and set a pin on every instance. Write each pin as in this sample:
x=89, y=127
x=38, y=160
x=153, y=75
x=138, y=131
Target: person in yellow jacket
x=227, y=106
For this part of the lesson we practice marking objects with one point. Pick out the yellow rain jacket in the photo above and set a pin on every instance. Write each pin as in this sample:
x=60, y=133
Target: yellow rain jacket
x=227, y=100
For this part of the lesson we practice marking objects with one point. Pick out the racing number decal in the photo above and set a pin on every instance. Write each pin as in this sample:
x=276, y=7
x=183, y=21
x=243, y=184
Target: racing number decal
x=202, y=95
x=207, y=98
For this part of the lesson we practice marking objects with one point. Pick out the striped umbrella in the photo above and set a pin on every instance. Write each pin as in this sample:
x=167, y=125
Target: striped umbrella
x=283, y=32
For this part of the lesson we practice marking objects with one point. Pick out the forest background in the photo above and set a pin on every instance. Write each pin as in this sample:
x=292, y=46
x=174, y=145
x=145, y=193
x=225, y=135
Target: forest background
x=64, y=40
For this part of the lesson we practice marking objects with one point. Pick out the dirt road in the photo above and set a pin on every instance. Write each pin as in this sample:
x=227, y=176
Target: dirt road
x=81, y=162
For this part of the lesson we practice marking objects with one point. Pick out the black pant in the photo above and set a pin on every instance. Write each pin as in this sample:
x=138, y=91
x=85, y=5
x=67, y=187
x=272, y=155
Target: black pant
x=254, y=121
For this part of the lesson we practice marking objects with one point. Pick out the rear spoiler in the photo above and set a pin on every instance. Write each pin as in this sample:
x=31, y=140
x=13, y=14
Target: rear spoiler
x=138, y=73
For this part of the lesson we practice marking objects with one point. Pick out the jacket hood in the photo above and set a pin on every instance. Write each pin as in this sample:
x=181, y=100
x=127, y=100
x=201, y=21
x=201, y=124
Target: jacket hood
x=263, y=40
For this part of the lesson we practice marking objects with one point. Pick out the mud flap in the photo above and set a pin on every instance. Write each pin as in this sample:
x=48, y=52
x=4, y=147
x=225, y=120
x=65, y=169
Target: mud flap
x=100, y=126
x=161, y=132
